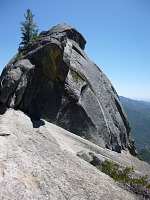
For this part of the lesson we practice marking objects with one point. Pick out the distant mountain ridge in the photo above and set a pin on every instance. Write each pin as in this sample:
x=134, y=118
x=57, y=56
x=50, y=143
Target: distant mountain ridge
x=138, y=113
x=139, y=103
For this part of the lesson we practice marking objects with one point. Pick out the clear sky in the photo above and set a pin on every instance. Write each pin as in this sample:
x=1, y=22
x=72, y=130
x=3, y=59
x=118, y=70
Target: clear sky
x=117, y=34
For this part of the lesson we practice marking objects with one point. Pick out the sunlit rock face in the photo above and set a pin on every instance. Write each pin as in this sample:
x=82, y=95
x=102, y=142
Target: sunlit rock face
x=38, y=160
x=55, y=80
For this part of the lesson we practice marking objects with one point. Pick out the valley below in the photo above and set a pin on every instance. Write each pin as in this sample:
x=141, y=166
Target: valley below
x=138, y=113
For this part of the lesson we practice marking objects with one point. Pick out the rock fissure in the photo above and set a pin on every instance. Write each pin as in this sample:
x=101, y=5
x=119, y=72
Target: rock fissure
x=126, y=123
x=79, y=52
x=83, y=89
x=12, y=96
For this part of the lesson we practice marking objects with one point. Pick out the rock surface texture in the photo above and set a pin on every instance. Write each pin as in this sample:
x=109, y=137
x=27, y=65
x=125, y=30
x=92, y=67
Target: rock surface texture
x=38, y=161
x=55, y=80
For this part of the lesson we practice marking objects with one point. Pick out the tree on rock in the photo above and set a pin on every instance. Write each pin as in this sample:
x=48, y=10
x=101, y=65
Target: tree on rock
x=29, y=31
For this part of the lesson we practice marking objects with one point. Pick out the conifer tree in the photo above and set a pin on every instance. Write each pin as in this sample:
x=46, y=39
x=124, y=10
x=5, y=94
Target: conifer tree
x=29, y=31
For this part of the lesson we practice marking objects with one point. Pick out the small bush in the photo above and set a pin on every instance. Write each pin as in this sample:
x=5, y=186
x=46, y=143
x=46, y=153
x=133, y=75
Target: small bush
x=116, y=171
x=140, y=186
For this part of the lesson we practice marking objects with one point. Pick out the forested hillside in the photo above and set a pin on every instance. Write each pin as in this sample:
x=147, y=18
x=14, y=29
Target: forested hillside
x=138, y=113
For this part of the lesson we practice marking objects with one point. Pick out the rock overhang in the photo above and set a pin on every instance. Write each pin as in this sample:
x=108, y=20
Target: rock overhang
x=61, y=31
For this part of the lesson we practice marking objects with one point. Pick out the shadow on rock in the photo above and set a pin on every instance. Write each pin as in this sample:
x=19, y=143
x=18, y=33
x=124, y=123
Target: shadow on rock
x=37, y=123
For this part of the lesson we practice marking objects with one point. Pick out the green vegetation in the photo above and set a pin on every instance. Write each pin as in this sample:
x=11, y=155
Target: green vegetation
x=116, y=172
x=29, y=31
x=46, y=119
x=138, y=113
x=51, y=67
x=75, y=76
x=145, y=154
x=78, y=75
x=19, y=56
x=125, y=176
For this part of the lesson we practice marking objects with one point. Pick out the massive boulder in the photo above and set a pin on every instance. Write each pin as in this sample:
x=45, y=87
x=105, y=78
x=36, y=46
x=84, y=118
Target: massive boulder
x=38, y=161
x=54, y=79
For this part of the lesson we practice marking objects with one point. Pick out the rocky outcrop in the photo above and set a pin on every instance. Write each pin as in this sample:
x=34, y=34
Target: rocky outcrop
x=55, y=80
x=38, y=161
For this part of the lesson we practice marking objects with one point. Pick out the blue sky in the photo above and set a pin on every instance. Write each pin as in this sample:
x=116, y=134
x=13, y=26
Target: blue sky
x=117, y=34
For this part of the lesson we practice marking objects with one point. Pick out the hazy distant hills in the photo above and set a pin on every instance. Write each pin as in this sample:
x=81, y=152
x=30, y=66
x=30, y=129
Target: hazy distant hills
x=138, y=113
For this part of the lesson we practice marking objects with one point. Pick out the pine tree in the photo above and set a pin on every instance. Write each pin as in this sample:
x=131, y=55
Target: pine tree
x=29, y=31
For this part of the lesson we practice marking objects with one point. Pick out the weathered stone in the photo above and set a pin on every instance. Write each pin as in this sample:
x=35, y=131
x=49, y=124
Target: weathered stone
x=38, y=161
x=14, y=82
x=56, y=80
x=92, y=158
x=85, y=156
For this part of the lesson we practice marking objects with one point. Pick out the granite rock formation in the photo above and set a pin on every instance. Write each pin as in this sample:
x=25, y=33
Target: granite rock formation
x=38, y=161
x=55, y=80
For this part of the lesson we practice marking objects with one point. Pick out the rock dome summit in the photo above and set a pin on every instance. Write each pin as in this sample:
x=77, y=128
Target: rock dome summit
x=55, y=80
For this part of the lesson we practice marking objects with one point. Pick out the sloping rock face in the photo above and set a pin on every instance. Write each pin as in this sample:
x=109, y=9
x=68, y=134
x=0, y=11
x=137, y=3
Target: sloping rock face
x=37, y=161
x=55, y=80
